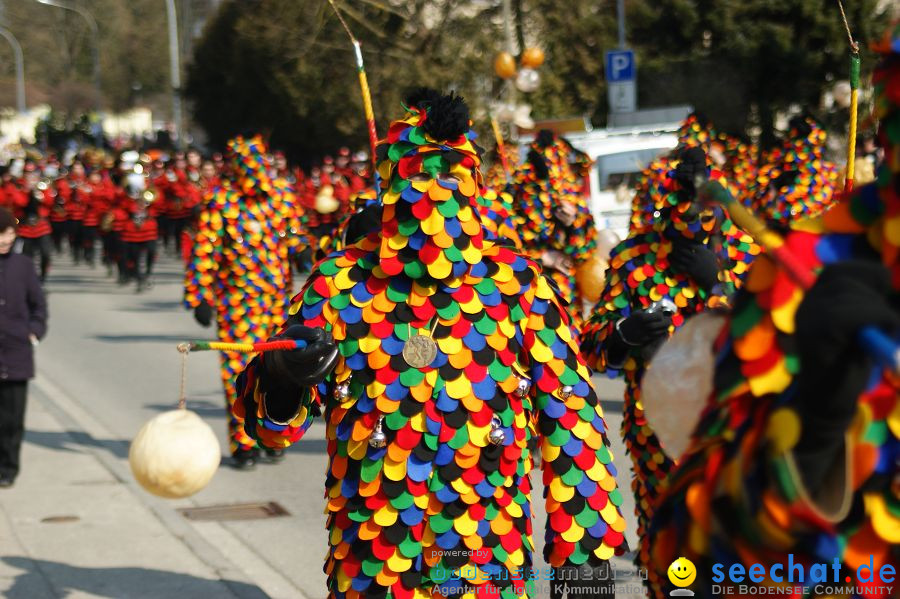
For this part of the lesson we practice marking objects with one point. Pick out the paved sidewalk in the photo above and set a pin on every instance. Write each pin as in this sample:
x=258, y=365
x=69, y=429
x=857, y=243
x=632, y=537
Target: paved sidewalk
x=71, y=527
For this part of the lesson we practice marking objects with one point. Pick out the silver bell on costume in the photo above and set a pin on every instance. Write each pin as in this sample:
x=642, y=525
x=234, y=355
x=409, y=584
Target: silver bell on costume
x=566, y=392
x=523, y=387
x=496, y=436
x=378, y=439
x=342, y=390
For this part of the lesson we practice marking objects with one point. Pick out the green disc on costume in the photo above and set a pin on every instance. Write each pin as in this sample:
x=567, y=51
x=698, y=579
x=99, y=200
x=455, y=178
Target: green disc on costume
x=404, y=501
x=398, y=184
x=371, y=566
x=500, y=554
x=398, y=150
x=408, y=227
x=361, y=515
x=569, y=377
x=348, y=347
x=414, y=270
x=876, y=433
x=560, y=436
x=496, y=479
x=485, y=286
x=410, y=548
x=340, y=301
x=491, y=511
x=792, y=363
x=329, y=268
x=572, y=477
x=411, y=377
x=588, y=517
x=603, y=455
x=311, y=297
x=417, y=137
x=578, y=556
x=449, y=312
x=448, y=208
x=499, y=371
x=547, y=336
x=620, y=301
x=485, y=326
x=459, y=439
x=431, y=441
x=516, y=313
x=370, y=469
x=396, y=420
x=453, y=254
x=440, y=573
x=615, y=497
x=586, y=413
x=440, y=523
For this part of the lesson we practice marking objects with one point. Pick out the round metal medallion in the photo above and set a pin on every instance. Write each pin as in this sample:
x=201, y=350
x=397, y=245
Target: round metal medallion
x=419, y=351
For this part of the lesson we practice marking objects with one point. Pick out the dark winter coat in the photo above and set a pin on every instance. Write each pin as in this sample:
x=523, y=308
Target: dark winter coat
x=23, y=312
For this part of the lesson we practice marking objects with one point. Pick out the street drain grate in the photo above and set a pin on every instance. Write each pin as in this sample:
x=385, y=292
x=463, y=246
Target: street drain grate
x=237, y=511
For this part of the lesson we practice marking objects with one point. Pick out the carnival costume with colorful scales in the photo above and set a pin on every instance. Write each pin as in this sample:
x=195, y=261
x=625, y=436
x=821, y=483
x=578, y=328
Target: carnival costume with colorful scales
x=455, y=353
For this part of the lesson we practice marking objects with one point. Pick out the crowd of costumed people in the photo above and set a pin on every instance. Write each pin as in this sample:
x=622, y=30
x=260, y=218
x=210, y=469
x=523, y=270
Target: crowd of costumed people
x=452, y=318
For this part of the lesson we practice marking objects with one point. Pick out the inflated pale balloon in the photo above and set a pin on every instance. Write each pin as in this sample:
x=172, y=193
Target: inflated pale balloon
x=679, y=380
x=175, y=454
x=841, y=92
x=590, y=277
x=532, y=58
x=528, y=80
x=505, y=65
x=606, y=241
x=326, y=203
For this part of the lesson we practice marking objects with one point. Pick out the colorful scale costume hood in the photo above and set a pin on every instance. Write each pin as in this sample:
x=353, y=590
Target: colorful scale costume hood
x=804, y=183
x=640, y=274
x=429, y=451
x=551, y=176
x=240, y=262
x=650, y=190
x=735, y=497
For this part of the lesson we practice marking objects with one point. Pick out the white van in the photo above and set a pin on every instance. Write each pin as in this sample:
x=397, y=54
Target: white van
x=619, y=155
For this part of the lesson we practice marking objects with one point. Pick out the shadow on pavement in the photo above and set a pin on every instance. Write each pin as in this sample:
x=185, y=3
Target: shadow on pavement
x=156, y=306
x=121, y=583
x=75, y=440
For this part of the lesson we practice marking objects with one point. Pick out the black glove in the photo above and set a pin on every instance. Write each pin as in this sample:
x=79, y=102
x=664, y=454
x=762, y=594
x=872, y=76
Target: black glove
x=834, y=369
x=697, y=261
x=203, y=314
x=301, y=367
x=362, y=223
x=691, y=169
x=644, y=327
x=591, y=580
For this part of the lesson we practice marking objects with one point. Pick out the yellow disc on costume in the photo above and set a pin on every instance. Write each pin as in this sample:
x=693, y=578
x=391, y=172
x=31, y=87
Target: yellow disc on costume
x=679, y=380
x=175, y=454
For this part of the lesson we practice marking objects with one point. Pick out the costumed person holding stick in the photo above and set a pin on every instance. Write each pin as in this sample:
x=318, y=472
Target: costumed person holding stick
x=436, y=356
x=239, y=275
x=656, y=280
x=797, y=451
x=557, y=227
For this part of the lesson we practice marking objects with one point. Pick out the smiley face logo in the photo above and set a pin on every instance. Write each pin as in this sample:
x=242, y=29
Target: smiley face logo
x=682, y=572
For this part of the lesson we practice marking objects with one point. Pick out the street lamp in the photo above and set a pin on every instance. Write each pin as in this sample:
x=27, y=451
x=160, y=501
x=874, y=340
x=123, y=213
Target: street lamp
x=20, y=68
x=95, y=32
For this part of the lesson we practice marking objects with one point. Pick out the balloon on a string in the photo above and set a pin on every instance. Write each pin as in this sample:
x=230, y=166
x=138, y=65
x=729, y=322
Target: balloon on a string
x=175, y=454
x=590, y=276
x=679, y=380
x=532, y=58
x=505, y=65
x=326, y=203
x=528, y=80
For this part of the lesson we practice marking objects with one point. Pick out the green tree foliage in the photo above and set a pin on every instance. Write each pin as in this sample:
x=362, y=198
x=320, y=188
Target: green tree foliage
x=288, y=66
x=58, y=54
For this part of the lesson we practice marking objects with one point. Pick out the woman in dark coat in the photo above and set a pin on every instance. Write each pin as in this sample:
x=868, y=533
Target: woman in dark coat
x=23, y=321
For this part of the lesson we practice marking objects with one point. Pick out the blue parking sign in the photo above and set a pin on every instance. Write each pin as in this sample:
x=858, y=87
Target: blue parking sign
x=620, y=66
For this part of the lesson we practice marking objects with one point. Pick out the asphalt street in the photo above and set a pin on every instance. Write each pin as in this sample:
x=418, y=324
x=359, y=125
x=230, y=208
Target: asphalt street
x=108, y=365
